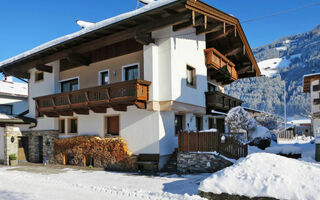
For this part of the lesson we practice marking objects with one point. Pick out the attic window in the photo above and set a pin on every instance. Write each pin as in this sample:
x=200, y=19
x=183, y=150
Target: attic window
x=38, y=76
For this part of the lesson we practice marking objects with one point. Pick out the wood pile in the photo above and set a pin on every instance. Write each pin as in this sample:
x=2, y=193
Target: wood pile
x=109, y=153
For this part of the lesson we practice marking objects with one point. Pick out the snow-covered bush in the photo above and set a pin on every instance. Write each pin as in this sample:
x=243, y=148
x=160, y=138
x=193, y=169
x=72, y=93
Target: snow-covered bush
x=268, y=120
x=238, y=119
x=259, y=132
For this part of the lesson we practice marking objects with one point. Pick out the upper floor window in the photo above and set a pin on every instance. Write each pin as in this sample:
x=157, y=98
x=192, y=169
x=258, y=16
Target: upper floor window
x=191, y=76
x=38, y=76
x=6, y=109
x=131, y=72
x=73, y=125
x=104, y=77
x=69, y=85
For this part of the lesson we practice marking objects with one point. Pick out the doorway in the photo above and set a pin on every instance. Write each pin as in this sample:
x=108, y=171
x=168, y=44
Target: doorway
x=40, y=149
x=220, y=125
x=23, y=149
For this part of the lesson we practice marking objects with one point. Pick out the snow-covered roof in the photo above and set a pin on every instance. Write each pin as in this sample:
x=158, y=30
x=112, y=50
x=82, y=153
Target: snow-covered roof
x=309, y=75
x=13, y=88
x=93, y=27
x=300, y=121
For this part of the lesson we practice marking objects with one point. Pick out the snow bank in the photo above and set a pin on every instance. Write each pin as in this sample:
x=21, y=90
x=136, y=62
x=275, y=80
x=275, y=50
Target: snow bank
x=260, y=132
x=209, y=130
x=284, y=149
x=267, y=175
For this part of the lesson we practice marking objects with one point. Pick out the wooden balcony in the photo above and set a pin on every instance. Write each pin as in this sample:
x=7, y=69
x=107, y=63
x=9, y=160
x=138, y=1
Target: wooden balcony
x=221, y=102
x=117, y=96
x=219, y=67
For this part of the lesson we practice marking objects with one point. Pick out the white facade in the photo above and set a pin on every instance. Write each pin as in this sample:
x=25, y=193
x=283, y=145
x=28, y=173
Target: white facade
x=151, y=130
x=315, y=109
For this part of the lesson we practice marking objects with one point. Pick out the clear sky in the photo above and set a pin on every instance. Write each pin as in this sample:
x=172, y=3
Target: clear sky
x=26, y=24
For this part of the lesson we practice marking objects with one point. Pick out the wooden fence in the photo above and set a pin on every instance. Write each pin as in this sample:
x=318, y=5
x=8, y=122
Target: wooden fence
x=209, y=141
x=285, y=135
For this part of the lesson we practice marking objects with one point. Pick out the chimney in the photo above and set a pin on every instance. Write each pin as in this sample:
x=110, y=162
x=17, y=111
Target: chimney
x=7, y=78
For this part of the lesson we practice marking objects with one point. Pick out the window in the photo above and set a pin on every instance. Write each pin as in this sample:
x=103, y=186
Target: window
x=178, y=123
x=73, y=125
x=6, y=109
x=39, y=114
x=211, y=87
x=211, y=123
x=112, y=125
x=70, y=85
x=199, y=123
x=131, y=72
x=191, y=76
x=62, y=126
x=104, y=77
x=38, y=76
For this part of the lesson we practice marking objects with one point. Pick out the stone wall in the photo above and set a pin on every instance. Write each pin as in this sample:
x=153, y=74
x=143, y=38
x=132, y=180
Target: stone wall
x=41, y=143
x=194, y=162
x=11, y=142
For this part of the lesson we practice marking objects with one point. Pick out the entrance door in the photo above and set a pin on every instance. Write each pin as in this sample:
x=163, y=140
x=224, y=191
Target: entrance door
x=40, y=149
x=220, y=125
x=23, y=149
x=113, y=125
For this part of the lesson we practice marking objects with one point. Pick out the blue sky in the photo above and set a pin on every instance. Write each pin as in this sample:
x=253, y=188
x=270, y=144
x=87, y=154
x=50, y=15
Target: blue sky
x=26, y=24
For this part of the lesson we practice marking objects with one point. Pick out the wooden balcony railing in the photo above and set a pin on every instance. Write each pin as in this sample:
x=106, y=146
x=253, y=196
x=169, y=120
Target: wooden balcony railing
x=117, y=96
x=221, y=102
x=221, y=68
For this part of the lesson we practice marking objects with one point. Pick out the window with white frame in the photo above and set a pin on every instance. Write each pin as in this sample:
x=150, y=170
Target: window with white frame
x=104, y=77
x=130, y=72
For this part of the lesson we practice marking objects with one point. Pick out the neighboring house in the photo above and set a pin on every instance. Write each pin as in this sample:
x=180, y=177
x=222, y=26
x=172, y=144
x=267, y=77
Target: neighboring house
x=13, y=96
x=143, y=75
x=301, y=127
x=311, y=84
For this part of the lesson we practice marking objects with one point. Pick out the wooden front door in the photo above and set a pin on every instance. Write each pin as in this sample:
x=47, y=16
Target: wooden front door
x=23, y=149
x=220, y=125
x=113, y=125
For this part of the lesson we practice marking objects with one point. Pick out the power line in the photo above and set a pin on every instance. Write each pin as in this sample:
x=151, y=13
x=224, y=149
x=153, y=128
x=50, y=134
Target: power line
x=281, y=12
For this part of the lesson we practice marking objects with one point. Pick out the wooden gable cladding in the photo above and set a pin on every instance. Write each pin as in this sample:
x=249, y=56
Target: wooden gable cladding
x=104, y=53
x=117, y=96
x=219, y=67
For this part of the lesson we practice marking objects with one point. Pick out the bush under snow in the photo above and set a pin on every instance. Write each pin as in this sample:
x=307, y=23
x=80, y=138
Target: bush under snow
x=238, y=119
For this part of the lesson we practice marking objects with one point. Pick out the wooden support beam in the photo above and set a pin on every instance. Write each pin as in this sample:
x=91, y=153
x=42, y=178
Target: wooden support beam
x=81, y=111
x=99, y=109
x=44, y=68
x=51, y=114
x=218, y=36
x=233, y=52
x=198, y=21
x=210, y=29
x=205, y=22
x=78, y=59
x=66, y=113
x=141, y=105
x=144, y=38
x=119, y=107
x=193, y=18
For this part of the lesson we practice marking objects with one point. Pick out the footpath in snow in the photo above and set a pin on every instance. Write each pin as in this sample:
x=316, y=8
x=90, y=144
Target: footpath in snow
x=38, y=183
x=267, y=175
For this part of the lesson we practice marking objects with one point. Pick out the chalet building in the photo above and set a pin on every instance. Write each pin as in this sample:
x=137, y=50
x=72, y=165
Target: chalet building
x=142, y=75
x=311, y=84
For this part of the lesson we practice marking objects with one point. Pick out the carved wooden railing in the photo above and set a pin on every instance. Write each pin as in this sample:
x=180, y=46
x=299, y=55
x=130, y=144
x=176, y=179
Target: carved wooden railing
x=98, y=99
x=220, y=64
x=219, y=101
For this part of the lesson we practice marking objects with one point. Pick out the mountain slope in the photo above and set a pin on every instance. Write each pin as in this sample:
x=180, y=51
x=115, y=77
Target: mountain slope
x=285, y=59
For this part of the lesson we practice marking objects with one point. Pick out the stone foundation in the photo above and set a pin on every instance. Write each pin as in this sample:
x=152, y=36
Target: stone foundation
x=41, y=145
x=189, y=162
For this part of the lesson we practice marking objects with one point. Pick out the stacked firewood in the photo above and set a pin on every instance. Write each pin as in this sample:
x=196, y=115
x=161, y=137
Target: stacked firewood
x=109, y=153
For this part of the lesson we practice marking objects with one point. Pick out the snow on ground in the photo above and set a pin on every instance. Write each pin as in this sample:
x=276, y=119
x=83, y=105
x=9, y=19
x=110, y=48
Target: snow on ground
x=267, y=175
x=37, y=183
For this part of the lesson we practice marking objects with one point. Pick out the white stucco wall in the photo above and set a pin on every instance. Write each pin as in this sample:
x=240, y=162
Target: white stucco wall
x=49, y=85
x=19, y=104
x=143, y=130
x=1, y=143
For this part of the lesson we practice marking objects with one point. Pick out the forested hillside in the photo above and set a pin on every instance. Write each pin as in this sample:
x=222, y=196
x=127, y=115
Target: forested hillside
x=287, y=59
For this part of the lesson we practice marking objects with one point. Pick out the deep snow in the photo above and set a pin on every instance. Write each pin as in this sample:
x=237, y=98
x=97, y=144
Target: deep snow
x=267, y=175
x=38, y=183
